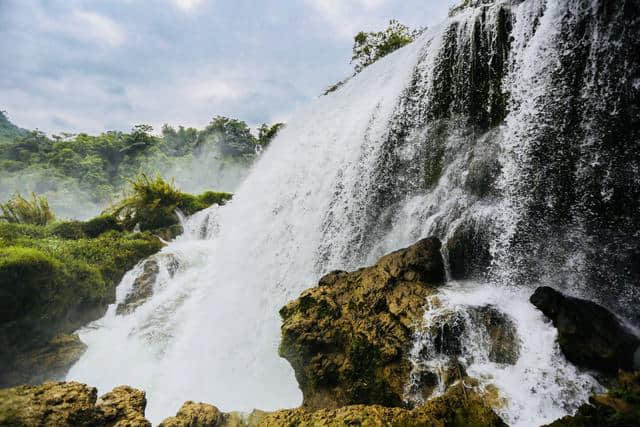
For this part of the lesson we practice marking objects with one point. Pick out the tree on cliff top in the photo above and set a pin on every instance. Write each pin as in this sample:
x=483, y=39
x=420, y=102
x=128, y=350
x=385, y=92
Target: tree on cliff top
x=369, y=47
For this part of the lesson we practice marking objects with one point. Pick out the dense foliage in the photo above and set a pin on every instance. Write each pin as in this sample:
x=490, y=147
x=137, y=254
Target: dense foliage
x=85, y=171
x=151, y=203
x=369, y=47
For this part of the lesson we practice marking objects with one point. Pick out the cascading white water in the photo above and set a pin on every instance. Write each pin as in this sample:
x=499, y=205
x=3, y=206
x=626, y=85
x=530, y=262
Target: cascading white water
x=218, y=316
x=337, y=188
x=539, y=388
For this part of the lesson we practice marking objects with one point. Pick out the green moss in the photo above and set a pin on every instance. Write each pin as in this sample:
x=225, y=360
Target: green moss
x=101, y=224
x=53, y=280
x=67, y=230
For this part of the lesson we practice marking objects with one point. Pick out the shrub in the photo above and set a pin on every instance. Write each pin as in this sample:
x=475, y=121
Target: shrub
x=369, y=47
x=152, y=203
x=149, y=203
x=20, y=210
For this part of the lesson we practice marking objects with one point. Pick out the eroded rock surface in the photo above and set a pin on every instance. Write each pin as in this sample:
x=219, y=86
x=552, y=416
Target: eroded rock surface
x=347, y=338
x=49, y=362
x=71, y=404
x=590, y=336
x=193, y=414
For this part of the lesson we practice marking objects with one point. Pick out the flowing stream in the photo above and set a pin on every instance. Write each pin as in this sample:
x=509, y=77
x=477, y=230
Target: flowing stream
x=423, y=142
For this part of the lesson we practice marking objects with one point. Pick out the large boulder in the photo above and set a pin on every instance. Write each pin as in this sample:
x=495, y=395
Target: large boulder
x=590, y=336
x=347, y=339
x=71, y=404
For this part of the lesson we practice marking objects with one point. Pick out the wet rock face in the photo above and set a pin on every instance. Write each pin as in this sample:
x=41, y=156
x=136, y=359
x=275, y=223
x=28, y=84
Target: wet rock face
x=347, y=339
x=589, y=335
x=143, y=286
x=71, y=404
x=51, y=361
x=468, y=251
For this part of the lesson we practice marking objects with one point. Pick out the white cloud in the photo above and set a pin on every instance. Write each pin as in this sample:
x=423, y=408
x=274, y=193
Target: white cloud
x=346, y=17
x=187, y=4
x=84, y=26
x=94, y=26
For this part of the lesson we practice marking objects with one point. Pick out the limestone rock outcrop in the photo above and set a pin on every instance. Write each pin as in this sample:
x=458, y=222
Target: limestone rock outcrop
x=193, y=414
x=590, y=336
x=347, y=339
x=71, y=404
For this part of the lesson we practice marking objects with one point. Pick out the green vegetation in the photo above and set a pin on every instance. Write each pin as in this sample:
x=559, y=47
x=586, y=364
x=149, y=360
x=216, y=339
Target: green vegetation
x=22, y=211
x=369, y=47
x=81, y=174
x=8, y=131
x=152, y=203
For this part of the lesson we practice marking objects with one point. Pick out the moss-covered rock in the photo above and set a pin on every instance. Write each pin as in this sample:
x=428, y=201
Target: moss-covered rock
x=347, y=339
x=71, y=404
x=51, y=285
x=590, y=336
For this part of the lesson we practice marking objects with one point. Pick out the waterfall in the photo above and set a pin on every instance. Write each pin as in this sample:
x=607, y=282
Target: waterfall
x=451, y=136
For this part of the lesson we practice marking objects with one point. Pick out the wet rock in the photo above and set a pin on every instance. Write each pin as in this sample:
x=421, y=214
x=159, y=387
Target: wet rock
x=589, y=335
x=71, y=404
x=458, y=407
x=504, y=343
x=49, y=362
x=468, y=251
x=142, y=288
x=193, y=414
x=452, y=330
x=348, y=338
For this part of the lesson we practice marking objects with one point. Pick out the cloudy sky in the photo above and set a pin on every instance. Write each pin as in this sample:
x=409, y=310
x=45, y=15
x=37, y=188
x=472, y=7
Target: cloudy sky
x=95, y=65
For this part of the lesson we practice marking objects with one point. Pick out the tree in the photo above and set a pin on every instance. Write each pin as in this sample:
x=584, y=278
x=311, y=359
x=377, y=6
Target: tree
x=266, y=133
x=369, y=47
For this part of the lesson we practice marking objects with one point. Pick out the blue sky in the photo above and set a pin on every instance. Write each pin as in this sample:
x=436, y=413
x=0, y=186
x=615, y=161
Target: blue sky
x=95, y=65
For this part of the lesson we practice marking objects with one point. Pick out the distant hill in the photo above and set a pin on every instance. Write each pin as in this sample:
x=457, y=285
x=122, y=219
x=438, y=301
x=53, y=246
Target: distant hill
x=8, y=131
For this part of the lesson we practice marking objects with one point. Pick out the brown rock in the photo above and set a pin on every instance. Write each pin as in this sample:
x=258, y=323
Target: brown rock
x=348, y=338
x=124, y=406
x=49, y=362
x=71, y=404
x=193, y=414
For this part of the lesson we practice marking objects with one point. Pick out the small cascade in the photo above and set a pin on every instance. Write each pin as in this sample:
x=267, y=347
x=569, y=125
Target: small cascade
x=520, y=362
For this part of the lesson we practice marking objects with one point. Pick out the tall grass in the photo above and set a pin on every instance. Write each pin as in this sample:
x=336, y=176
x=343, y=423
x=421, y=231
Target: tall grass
x=20, y=210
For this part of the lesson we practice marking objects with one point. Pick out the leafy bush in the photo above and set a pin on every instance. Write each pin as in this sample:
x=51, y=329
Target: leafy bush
x=369, y=47
x=20, y=210
x=152, y=203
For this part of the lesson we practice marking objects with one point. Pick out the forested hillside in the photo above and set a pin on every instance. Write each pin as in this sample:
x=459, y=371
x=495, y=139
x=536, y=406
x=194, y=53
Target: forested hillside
x=81, y=174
